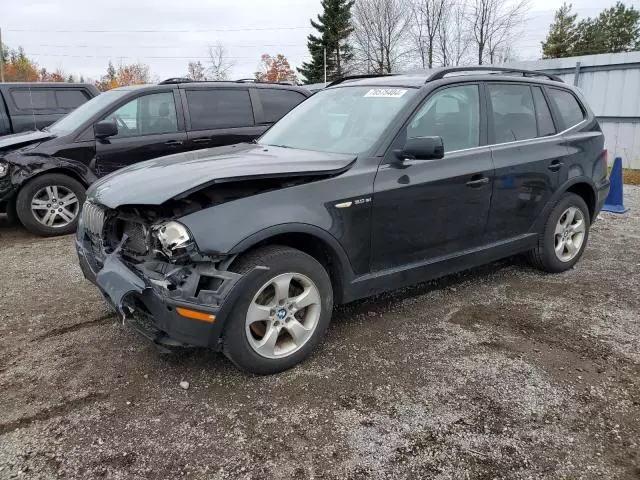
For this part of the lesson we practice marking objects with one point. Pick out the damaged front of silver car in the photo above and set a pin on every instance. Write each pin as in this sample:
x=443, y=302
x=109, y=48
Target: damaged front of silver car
x=135, y=243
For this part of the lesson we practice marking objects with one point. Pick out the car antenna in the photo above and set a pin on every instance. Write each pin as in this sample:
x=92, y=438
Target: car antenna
x=33, y=113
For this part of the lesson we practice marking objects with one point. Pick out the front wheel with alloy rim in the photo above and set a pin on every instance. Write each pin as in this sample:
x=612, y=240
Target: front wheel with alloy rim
x=49, y=204
x=282, y=313
x=565, y=235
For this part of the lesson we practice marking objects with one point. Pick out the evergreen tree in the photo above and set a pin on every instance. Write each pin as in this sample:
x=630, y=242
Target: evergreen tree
x=621, y=28
x=111, y=72
x=334, y=26
x=616, y=29
x=589, y=40
x=562, y=34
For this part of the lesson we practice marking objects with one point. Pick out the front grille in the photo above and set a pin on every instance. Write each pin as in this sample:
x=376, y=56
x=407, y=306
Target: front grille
x=93, y=218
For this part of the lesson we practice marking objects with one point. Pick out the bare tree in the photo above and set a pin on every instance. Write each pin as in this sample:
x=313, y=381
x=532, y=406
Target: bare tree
x=220, y=63
x=454, y=38
x=427, y=16
x=493, y=22
x=380, y=34
x=196, y=71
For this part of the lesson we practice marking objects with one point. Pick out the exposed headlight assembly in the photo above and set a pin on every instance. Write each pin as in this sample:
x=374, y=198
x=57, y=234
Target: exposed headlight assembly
x=172, y=236
x=4, y=169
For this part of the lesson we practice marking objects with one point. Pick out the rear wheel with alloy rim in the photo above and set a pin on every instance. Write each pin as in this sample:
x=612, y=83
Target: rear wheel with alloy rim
x=565, y=235
x=283, y=312
x=50, y=204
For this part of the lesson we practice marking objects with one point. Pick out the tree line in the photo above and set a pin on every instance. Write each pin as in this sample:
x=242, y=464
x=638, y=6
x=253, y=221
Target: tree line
x=614, y=30
x=387, y=36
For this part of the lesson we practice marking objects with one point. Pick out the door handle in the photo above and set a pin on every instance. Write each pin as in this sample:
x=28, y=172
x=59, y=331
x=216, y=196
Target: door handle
x=555, y=165
x=477, y=181
x=173, y=142
x=201, y=140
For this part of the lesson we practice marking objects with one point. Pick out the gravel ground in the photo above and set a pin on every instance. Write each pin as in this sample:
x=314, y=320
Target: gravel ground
x=501, y=372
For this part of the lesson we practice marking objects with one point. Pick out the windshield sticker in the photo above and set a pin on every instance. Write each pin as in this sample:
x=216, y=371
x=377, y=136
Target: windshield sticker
x=386, y=92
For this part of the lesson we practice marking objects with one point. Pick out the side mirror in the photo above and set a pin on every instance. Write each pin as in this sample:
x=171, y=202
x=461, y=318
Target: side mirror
x=422, y=148
x=105, y=129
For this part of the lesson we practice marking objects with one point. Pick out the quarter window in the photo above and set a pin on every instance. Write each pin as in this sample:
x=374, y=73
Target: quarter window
x=451, y=113
x=513, y=116
x=146, y=115
x=219, y=108
x=543, y=114
x=69, y=99
x=276, y=103
x=569, y=108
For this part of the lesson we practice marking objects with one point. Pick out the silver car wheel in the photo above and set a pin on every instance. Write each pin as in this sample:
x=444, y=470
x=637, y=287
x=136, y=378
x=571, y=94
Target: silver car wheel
x=283, y=315
x=569, y=234
x=55, y=206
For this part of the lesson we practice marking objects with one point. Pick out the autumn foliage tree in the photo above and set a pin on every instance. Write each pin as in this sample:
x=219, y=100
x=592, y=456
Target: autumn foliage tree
x=133, y=74
x=17, y=67
x=275, y=69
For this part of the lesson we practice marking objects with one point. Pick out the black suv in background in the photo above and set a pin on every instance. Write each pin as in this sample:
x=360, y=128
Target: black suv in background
x=33, y=106
x=44, y=174
x=369, y=185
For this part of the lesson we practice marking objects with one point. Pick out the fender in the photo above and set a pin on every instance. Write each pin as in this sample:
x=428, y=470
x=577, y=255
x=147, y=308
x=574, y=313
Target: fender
x=538, y=226
x=345, y=270
x=39, y=164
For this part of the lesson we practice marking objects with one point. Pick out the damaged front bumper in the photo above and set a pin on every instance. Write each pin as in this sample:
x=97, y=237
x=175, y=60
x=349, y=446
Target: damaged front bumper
x=150, y=294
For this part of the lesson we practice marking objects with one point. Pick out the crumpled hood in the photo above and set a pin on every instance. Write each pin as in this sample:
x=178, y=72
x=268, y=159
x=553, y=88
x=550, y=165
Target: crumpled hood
x=22, y=139
x=155, y=181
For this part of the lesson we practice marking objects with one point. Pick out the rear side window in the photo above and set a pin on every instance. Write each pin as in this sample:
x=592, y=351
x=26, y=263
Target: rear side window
x=543, y=114
x=219, y=108
x=33, y=99
x=70, y=99
x=568, y=106
x=276, y=103
x=514, y=117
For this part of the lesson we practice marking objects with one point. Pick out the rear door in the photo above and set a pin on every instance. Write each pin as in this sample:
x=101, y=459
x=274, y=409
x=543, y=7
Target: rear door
x=219, y=116
x=527, y=154
x=149, y=126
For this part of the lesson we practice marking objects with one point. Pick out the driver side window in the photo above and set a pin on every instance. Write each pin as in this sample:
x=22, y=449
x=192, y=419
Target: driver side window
x=451, y=113
x=146, y=115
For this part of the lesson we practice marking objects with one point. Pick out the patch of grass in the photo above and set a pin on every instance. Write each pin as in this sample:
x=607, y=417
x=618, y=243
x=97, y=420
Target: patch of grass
x=630, y=176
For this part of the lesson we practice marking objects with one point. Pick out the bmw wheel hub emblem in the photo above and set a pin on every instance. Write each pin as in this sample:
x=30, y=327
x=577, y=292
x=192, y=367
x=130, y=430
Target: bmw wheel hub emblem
x=282, y=313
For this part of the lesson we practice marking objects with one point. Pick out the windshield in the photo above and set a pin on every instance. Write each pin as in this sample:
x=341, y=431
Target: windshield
x=339, y=120
x=84, y=112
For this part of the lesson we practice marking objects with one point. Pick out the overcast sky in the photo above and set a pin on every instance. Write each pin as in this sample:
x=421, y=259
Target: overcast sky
x=80, y=37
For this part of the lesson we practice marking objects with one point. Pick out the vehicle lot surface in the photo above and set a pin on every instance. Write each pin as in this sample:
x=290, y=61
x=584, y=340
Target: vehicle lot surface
x=502, y=372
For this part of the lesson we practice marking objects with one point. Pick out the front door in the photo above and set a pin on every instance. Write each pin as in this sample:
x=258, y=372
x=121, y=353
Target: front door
x=527, y=154
x=148, y=127
x=435, y=208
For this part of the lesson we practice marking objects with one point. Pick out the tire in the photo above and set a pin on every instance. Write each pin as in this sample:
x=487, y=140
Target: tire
x=241, y=337
x=63, y=218
x=544, y=256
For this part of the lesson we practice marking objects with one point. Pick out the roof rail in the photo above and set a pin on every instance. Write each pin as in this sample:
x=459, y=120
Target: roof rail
x=441, y=73
x=246, y=80
x=173, y=80
x=357, y=77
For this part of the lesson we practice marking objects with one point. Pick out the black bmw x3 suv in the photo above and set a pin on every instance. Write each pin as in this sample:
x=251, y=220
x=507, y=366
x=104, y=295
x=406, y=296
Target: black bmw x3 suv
x=44, y=173
x=372, y=184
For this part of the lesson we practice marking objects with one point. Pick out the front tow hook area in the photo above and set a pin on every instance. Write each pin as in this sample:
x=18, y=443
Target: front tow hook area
x=116, y=280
